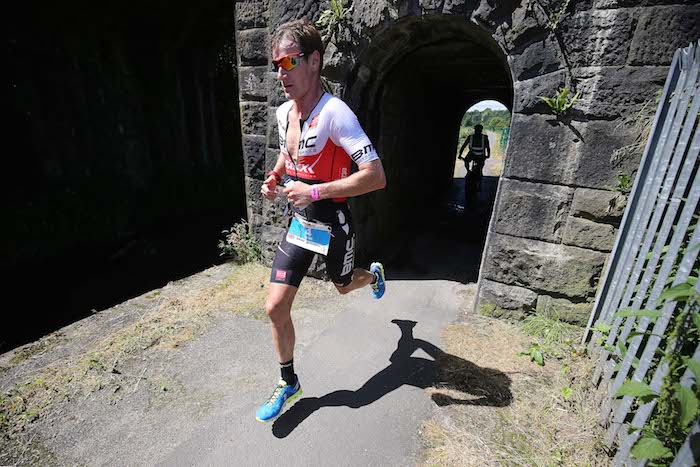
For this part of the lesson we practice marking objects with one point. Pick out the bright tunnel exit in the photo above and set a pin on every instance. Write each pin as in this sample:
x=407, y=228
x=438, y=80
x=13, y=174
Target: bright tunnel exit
x=479, y=158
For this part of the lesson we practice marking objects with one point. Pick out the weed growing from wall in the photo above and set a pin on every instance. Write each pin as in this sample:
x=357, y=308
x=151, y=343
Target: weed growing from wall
x=556, y=10
x=561, y=102
x=332, y=21
x=623, y=184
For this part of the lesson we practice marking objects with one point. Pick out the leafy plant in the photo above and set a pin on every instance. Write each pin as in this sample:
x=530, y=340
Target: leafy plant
x=554, y=336
x=624, y=183
x=677, y=406
x=560, y=103
x=240, y=243
x=332, y=20
x=535, y=354
x=637, y=389
x=555, y=11
x=650, y=447
x=327, y=85
x=623, y=186
x=603, y=329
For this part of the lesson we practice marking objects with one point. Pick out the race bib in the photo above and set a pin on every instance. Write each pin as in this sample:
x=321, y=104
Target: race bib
x=312, y=236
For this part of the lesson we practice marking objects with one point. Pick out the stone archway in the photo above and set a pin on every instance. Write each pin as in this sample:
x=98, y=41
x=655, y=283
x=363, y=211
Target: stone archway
x=552, y=227
x=411, y=89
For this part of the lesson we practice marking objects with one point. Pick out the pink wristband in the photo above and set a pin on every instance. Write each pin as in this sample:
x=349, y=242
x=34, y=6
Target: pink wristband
x=314, y=193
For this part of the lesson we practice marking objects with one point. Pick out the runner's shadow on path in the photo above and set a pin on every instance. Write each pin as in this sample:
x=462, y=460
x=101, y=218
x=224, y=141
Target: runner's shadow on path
x=489, y=386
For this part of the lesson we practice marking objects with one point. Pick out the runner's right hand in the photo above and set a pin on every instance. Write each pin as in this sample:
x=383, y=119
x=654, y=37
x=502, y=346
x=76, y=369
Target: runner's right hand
x=269, y=188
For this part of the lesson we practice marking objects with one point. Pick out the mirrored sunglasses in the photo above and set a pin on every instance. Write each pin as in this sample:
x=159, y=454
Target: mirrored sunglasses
x=288, y=62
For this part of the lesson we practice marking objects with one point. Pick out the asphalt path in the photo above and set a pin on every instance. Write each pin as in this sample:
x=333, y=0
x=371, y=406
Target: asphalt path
x=363, y=364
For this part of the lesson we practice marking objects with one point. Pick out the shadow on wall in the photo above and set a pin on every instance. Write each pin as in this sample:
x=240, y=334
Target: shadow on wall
x=486, y=386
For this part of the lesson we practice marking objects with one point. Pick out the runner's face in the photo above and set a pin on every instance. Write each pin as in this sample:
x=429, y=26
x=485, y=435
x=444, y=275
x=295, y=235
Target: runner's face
x=298, y=81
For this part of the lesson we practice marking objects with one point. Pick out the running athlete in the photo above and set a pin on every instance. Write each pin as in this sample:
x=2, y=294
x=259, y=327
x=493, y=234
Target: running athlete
x=320, y=138
x=479, y=150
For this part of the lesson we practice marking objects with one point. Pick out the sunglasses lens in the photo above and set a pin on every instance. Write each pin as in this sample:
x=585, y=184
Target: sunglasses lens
x=287, y=63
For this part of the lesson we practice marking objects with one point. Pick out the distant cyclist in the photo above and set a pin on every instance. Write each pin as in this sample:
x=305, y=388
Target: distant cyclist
x=479, y=151
x=320, y=138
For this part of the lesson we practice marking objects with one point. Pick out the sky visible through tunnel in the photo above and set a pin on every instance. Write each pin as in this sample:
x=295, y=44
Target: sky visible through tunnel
x=483, y=105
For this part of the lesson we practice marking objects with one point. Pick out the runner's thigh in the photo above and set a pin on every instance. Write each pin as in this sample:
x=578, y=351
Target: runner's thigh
x=291, y=263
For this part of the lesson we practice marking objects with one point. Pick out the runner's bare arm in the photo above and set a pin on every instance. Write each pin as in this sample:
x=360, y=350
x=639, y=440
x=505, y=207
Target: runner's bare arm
x=269, y=187
x=369, y=178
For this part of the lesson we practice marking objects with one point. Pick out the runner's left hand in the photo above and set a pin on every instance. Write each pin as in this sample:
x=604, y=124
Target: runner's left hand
x=299, y=194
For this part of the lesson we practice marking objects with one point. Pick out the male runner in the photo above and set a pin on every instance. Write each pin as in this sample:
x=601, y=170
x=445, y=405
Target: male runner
x=320, y=137
x=479, y=150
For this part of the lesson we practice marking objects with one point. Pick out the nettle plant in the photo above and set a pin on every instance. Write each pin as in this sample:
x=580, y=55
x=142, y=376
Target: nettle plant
x=677, y=406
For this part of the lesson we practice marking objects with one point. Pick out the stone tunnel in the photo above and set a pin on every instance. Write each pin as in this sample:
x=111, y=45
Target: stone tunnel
x=425, y=73
x=410, y=69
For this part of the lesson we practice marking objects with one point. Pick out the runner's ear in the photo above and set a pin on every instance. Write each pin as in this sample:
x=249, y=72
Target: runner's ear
x=315, y=59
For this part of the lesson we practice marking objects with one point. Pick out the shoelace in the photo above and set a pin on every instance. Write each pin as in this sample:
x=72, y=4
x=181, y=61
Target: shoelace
x=275, y=395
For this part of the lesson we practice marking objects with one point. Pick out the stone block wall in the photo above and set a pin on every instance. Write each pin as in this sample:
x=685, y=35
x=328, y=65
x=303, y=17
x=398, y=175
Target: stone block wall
x=260, y=95
x=557, y=210
x=252, y=37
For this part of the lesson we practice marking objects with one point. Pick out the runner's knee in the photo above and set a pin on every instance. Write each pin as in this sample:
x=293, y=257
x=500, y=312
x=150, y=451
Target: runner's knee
x=342, y=289
x=277, y=309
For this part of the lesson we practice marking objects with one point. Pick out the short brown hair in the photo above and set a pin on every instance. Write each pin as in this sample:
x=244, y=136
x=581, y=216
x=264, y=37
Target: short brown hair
x=303, y=33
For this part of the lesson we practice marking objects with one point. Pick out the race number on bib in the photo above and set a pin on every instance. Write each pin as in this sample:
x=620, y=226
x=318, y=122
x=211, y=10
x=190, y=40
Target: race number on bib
x=311, y=236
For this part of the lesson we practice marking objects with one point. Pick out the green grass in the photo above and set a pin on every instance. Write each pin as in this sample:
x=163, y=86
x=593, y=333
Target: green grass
x=554, y=335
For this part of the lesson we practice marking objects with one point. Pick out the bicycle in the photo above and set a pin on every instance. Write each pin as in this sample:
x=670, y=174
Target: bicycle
x=472, y=182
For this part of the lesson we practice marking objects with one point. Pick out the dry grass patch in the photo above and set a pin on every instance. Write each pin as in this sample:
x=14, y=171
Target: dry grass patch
x=548, y=420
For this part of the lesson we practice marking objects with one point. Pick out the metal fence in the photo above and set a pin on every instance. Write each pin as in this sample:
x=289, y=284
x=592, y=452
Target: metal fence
x=657, y=248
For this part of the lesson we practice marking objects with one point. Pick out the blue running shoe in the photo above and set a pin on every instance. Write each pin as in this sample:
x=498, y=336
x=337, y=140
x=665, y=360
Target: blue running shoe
x=283, y=394
x=378, y=287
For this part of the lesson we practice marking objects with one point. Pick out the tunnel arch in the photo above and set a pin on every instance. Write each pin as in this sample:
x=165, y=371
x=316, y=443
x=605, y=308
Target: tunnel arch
x=553, y=168
x=418, y=78
x=396, y=43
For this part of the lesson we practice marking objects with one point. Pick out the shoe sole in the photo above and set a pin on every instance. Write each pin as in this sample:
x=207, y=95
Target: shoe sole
x=288, y=403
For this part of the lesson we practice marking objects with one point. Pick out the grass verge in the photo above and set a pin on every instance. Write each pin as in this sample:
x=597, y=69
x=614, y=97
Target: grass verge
x=550, y=419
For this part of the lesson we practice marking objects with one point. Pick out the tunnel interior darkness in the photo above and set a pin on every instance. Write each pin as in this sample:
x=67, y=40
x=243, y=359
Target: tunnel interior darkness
x=414, y=110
